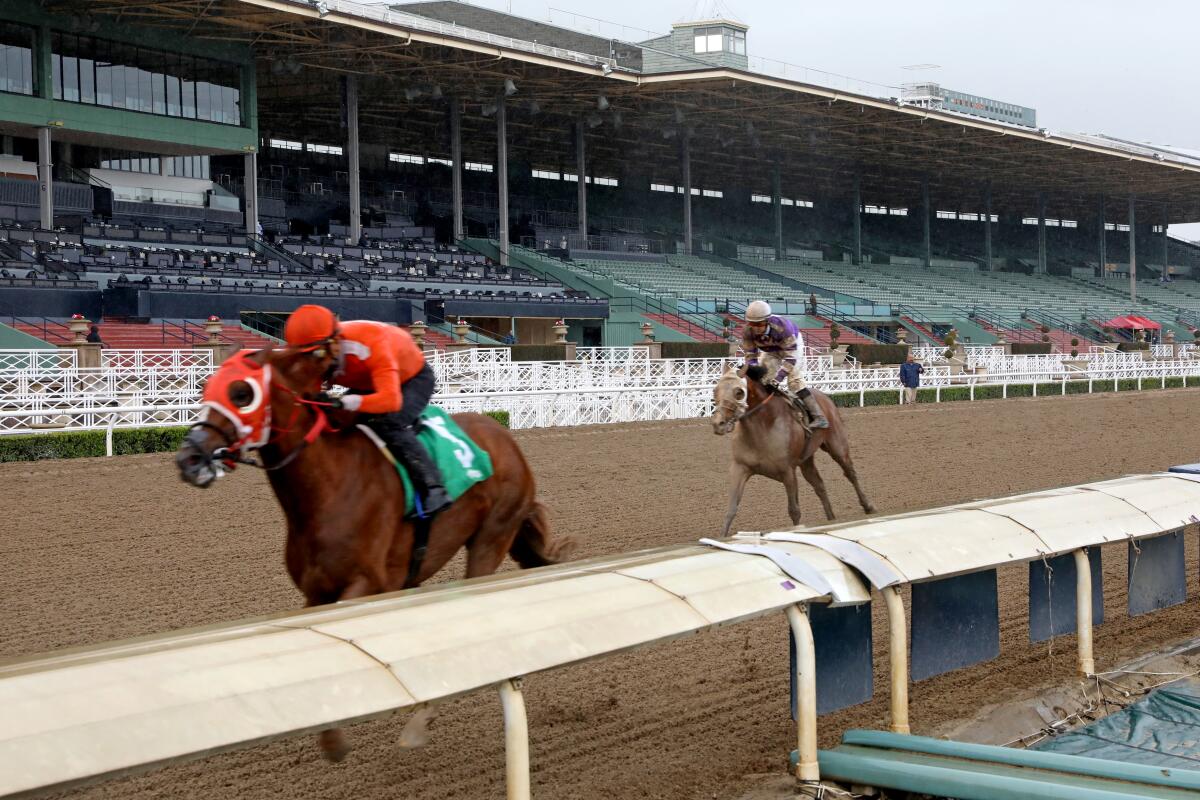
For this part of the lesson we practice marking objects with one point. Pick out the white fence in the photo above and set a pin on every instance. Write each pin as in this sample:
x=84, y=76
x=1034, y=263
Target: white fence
x=43, y=390
x=240, y=683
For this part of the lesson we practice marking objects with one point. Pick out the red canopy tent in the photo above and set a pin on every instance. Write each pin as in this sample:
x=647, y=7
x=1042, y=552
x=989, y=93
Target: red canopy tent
x=1132, y=322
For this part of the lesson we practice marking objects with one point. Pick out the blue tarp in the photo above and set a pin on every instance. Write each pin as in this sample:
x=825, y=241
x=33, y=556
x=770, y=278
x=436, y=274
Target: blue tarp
x=1162, y=730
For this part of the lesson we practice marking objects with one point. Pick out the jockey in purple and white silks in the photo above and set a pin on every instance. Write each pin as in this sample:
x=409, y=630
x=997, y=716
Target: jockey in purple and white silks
x=775, y=343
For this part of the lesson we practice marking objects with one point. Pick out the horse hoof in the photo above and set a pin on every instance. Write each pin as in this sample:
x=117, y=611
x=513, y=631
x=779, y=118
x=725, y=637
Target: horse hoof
x=416, y=730
x=333, y=745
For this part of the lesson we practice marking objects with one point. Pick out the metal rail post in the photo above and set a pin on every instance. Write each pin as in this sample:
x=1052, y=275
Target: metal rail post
x=456, y=187
x=352, y=157
x=502, y=177
x=807, y=769
x=1083, y=612
x=516, y=740
x=581, y=172
x=898, y=654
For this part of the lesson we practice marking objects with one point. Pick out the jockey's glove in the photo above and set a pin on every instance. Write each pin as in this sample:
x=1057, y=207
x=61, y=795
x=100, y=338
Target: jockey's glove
x=332, y=402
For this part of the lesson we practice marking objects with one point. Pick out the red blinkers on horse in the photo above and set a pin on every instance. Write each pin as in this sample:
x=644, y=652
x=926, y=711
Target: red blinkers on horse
x=347, y=535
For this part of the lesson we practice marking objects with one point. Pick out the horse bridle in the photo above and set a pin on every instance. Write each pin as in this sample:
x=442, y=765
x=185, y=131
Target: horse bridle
x=231, y=453
x=737, y=415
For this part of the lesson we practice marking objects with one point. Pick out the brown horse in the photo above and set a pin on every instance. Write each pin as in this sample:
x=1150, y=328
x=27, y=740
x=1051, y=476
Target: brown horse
x=769, y=440
x=347, y=535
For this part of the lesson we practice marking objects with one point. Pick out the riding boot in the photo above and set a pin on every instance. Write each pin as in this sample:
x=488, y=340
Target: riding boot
x=816, y=416
x=426, y=477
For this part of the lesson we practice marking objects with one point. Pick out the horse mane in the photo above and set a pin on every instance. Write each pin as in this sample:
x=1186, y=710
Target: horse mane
x=756, y=373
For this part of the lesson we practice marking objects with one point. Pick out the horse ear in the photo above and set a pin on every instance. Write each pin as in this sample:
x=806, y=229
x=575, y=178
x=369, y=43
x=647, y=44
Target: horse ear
x=741, y=371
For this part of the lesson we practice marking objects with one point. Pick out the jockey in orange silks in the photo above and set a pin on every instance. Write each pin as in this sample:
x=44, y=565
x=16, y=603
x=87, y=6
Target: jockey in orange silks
x=776, y=341
x=389, y=380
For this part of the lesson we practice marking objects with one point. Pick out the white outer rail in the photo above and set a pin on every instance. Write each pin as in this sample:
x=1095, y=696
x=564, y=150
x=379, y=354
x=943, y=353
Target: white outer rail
x=122, y=707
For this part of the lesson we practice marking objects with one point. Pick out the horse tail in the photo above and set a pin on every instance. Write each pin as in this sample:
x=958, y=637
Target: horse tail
x=534, y=545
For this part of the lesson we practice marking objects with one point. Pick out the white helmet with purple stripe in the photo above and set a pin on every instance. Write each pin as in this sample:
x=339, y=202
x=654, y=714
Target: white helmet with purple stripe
x=758, y=311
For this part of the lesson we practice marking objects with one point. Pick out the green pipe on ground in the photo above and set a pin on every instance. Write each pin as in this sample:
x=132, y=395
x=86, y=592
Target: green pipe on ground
x=1076, y=765
x=946, y=777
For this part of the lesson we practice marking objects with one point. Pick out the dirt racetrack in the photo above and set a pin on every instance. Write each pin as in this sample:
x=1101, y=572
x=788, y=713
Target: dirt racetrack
x=101, y=549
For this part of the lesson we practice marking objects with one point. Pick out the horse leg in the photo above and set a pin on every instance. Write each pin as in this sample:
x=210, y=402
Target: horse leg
x=809, y=470
x=839, y=451
x=738, y=475
x=489, y=546
x=333, y=741
x=793, y=495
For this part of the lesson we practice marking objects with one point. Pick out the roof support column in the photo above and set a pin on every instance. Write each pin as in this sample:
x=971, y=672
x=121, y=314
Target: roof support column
x=857, y=219
x=1103, y=240
x=250, y=192
x=581, y=172
x=1165, y=242
x=352, y=158
x=777, y=209
x=1041, y=263
x=456, y=190
x=45, y=170
x=502, y=177
x=1132, y=252
x=686, y=161
x=926, y=213
x=987, y=226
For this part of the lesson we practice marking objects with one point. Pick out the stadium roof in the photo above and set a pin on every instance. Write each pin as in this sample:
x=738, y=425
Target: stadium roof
x=740, y=122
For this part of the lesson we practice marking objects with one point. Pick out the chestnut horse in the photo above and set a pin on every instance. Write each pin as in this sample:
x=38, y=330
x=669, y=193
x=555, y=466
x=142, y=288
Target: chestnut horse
x=344, y=503
x=769, y=440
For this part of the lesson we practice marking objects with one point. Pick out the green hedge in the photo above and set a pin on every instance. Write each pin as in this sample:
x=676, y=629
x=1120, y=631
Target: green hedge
x=878, y=353
x=126, y=441
x=1127, y=385
x=83, y=444
x=1021, y=390
x=1077, y=387
x=695, y=349
x=1132, y=347
x=1175, y=383
x=989, y=392
x=1048, y=388
x=875, y=397
x=499, y=416
x=539, y=352
x=1031, y=348
x=1193, y=381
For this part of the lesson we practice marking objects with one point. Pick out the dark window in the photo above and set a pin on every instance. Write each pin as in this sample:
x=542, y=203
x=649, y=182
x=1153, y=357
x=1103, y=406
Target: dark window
x=16, y=58
x=118, y=75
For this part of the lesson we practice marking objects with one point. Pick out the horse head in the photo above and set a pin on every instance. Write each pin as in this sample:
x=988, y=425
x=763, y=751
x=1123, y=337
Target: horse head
x=251, y=401
x=729, y=401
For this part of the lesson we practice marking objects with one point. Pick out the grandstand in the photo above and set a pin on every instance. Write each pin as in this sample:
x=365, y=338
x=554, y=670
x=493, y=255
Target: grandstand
x=604, y=182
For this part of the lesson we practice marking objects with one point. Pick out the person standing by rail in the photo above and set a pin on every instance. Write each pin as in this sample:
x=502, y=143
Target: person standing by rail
x=910, y=379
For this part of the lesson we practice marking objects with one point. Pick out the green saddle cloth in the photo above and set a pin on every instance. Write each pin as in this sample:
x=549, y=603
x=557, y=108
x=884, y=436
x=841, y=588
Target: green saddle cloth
x=462, y=462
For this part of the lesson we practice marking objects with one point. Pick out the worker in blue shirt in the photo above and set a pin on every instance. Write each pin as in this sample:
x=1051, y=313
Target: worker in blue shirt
x=910, y=378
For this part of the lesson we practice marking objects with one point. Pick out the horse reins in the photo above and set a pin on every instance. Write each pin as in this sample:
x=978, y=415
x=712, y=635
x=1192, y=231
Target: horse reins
x=230, y=458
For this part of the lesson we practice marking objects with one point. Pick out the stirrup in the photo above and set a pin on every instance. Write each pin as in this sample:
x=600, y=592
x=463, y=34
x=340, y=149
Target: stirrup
x=436, y=499
x=818, y=423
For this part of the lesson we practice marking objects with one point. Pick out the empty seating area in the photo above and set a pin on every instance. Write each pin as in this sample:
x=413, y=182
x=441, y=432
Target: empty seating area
x=692, y=277
x=153, y=334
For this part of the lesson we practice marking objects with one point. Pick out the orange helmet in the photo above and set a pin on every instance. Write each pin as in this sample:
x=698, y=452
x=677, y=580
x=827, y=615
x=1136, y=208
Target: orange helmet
x=310, y=326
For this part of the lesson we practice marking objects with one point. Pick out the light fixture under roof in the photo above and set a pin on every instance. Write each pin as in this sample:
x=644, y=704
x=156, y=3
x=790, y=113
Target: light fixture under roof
x=602, y=103
x=510, y=88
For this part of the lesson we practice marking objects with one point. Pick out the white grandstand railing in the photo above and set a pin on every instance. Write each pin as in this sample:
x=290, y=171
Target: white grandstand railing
x=548, y=409
x=612, y=354
x=44, y=359
x=156, y=359
x=63, y=386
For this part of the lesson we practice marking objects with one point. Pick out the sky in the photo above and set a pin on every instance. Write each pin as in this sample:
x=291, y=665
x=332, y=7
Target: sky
x=1094, y=66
